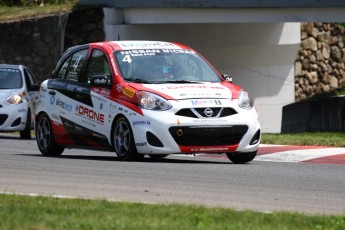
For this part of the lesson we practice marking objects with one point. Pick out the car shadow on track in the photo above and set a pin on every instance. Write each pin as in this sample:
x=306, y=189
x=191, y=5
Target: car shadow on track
x=188, y=160
x=15, y=136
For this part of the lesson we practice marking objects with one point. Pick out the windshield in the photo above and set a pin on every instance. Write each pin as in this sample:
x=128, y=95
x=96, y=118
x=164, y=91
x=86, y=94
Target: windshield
x=164, y=65
x=10, y=78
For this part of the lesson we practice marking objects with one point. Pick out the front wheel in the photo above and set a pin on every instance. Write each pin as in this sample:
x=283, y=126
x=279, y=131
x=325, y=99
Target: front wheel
x=26, y=133
x=241, y=158
x=123, y=141
x=45, y=137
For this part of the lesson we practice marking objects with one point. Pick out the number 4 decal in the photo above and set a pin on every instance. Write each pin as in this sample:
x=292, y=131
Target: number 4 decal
x=127, y=58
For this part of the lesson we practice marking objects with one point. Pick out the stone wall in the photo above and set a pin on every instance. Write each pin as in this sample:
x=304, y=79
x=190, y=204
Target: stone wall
x=319, y=65
x=39, y=42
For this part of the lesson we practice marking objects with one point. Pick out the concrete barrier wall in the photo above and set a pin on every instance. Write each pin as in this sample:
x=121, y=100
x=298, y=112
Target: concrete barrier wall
x=39, y=42
x=315, y=115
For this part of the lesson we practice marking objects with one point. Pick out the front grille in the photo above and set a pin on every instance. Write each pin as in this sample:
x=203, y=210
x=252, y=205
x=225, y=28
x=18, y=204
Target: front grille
x=208, y=136
x=3, y=118
x=206, y=113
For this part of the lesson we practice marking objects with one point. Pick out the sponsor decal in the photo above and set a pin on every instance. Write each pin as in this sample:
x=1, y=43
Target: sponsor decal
x=119, y=88
x=176, y=51
x=105, y=92
x=64, y=105
x=74, y=88
x=9, y=70
x=210, y=149
x=57, y=83
x=196, y=87
x=128, y=92
x=148, y=52
x=209, y=120
x=141, y=45
x=112, y=108
x=141, y=144
x=52, y=99
x=90, y=114
x=56, y=117
x=214, y=149
x=141, y=122
x=100, y=80
x=206, y=102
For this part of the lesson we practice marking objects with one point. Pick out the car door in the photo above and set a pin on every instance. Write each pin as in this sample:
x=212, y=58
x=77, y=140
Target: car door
x=96, y=114
x=32, y=90
x=66, y=93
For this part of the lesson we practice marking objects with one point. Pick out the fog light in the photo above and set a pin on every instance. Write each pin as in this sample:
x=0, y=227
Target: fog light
x=256, y=138
x=179, y=132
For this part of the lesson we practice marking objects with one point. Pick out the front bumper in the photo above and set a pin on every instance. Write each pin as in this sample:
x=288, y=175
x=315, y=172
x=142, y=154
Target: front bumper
x=13, y=117
x=164, y=132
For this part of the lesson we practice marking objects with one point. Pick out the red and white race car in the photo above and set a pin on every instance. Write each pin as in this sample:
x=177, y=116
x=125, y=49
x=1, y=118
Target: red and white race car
x=142, y=98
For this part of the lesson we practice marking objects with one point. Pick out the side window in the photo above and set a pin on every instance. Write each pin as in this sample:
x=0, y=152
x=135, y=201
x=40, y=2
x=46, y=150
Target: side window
x=63, y=70
x=98, y=65
x=29, y=78
x=70, y=70
x=75, y=65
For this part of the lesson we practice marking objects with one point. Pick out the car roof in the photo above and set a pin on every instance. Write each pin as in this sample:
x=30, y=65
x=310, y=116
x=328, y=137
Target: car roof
x=138, y=44
x=12, y=66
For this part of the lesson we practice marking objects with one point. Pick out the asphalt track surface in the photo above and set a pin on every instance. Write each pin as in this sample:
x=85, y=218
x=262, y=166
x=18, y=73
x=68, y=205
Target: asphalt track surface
x=281, y=178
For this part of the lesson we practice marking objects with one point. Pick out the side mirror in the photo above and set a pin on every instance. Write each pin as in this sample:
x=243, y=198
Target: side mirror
x=227, y=77
x=101, y=81
x=33, y=87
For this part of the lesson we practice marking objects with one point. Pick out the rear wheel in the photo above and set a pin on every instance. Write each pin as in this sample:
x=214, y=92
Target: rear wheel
x=26, y=133
x=45, y=137
x=241, y=158
x=123, y=141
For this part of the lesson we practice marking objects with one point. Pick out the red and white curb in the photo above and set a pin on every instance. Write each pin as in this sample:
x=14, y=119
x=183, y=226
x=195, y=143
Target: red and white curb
x=311, y=154
x=288, y=153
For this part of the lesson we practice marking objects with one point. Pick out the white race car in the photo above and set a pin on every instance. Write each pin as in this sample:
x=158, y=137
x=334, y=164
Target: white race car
x=18, y=96
x=142, y=98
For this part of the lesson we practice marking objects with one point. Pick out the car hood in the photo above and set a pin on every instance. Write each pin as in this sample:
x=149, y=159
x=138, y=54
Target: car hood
x=187, y=91
x=4, y=93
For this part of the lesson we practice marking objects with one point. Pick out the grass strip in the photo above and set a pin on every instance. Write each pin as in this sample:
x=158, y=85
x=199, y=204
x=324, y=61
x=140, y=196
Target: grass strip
x=26, y=212
x=334, y=139
x=25, y=12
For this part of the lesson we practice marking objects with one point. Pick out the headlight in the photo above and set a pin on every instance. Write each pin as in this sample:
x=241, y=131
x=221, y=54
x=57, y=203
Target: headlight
x=245, y=101
x=14, y=99
x=152, y=101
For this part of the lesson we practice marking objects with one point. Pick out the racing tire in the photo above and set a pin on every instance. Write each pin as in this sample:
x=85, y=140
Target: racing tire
x=158, y=156
x=26, y=133
x=45, y=137
x=241, y=158
x=123, y=141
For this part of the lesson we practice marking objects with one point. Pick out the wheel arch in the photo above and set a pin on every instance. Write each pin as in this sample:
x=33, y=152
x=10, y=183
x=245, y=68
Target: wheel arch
x=113, y=125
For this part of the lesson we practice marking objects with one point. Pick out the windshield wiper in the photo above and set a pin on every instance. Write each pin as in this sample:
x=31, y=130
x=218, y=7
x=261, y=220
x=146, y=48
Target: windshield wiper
x=136, y=80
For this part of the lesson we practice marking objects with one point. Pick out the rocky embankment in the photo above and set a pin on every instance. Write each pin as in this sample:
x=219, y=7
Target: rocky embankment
x=319, y=66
